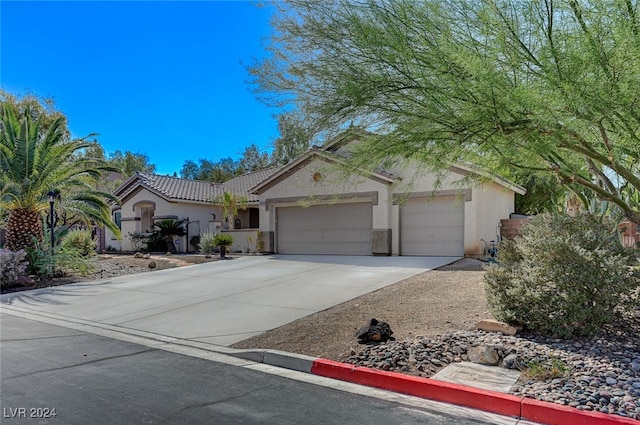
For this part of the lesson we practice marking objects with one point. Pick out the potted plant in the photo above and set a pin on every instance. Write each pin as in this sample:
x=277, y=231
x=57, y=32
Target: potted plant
x=223, y=240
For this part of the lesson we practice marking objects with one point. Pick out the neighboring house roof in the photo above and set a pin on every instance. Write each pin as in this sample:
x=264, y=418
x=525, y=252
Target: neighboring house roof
x=177, y=189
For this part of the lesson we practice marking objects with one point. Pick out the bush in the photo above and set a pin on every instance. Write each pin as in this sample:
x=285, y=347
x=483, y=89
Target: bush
x=207, y=244
x=156, y=243
x=62, y=262
x=223, y=239
x=563, y=276
x=13, y=265
x=81, y=241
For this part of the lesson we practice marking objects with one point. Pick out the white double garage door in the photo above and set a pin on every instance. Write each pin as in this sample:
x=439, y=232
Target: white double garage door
x=432, y=227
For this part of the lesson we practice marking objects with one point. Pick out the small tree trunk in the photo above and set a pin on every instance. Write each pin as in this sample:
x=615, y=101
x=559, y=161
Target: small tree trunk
x=223, y=251
x=170, y=245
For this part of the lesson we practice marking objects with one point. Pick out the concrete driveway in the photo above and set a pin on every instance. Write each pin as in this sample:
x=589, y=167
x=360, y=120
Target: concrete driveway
x=225, y=301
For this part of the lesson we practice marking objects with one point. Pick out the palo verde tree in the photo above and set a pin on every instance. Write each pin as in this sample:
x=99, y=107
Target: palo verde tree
x=549, y=86
x=37, y=156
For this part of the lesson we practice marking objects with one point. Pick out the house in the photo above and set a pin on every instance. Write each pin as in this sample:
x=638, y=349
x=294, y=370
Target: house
x=314, y=205
x=147, y=198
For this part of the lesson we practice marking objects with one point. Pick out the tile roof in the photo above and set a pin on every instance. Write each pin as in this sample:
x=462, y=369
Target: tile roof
x=177, y=188
x=243, y=184
x=200, y=190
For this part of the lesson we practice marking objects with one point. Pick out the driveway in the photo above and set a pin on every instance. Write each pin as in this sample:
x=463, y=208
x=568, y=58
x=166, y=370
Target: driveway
x=225, y=301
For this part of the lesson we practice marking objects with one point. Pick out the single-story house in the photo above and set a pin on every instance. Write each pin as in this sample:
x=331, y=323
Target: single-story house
x=148, y=198
x=315, y=205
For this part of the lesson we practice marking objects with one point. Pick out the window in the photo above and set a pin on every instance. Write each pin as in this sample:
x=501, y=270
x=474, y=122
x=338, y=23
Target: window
x=117, y=218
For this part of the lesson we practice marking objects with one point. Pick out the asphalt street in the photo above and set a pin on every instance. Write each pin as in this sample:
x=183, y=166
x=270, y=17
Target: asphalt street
x=58, y=375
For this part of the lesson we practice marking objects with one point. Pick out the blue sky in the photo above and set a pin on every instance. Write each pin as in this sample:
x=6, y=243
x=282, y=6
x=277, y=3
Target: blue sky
x=164, y=78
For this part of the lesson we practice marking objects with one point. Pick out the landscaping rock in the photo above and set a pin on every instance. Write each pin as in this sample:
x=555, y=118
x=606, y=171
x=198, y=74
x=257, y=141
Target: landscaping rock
x=375, y=332
x=491, y=325
x=484, y=355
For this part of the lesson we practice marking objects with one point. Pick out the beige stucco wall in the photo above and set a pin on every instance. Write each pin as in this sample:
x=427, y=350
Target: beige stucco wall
x=484, y=204
x=200, y=216
x=332, y=182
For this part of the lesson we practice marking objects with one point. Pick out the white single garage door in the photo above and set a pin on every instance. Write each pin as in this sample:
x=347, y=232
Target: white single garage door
x=432, y=226
x=325, y=229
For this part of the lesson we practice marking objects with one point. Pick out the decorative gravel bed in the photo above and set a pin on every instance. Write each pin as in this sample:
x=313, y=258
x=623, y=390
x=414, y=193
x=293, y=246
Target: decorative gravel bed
x=596, y=374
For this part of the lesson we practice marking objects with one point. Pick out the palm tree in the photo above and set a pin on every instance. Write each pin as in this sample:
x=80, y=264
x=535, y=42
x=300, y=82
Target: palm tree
x=36, y=158
x=169, y=228
x=231, y=204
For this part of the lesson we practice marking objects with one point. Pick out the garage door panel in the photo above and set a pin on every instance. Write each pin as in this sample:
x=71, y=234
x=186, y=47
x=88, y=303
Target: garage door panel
x=327, y=229
x=434, y=227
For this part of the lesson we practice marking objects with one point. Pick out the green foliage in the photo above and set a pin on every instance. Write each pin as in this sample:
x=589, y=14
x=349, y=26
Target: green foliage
x=231, y=204
x=60, y=262
x=541, y=371
x=563, y=276
x=294, y=139
x=226, y=168
x=37, y=157
x=169, y=228
x=223, y=239
x=527, y=85
x=81, y=241
x=156, y=243
x=207, y=244
x=220, y=171
x=129, y=163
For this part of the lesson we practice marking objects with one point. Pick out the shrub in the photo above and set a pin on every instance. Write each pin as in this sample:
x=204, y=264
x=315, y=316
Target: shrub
x=223, y=239
x=563, y=276
x=138, y=240
x=13, y=265
x=63, y=262
x=156, y=243
x=81, y=241
x=207, y=244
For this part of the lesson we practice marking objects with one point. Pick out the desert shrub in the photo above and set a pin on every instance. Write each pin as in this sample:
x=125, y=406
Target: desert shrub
x=62, y=261
x=156, y=243
x=81, y=241
x=224, y=239
x=563, y=276
x=13, y=265
x=207, y=244
x=138, y=240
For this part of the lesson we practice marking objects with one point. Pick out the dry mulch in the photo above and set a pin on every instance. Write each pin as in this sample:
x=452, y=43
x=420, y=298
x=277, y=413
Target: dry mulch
x=431, y=303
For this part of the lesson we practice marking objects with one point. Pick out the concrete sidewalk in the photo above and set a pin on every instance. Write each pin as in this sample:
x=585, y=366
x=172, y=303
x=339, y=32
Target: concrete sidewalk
x=226, y=301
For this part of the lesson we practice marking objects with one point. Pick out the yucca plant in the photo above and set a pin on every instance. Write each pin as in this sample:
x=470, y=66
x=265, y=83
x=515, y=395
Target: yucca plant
x=36, y=158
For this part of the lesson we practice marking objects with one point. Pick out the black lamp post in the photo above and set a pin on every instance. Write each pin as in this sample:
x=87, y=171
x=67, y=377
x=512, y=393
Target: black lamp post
x=52, y=200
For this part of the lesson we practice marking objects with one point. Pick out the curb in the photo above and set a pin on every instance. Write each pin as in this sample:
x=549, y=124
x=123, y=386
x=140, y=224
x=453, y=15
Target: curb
x=489, y=401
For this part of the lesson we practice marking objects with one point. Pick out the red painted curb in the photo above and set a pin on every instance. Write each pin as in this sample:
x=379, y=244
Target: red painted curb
x=555, y=414
x=489, y=401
